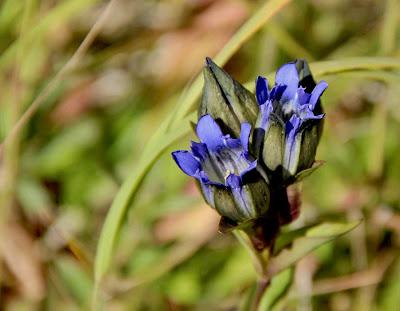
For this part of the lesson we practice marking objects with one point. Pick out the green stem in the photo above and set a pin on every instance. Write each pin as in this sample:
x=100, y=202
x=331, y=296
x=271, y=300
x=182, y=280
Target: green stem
x=260, y=261
x=262, y=286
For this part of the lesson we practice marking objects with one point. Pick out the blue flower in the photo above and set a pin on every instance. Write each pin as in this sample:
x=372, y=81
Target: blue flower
x=228, y=175
x=290, y=119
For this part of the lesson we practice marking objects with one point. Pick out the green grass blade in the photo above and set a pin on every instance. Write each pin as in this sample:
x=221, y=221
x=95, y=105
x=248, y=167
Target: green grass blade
x=63, y=11
x=390, y=300
x=287, y=42
x=121, y=202
x=258, y=20
x=332, y=67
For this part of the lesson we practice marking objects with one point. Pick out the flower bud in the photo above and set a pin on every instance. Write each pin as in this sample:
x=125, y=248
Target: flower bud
x=289, y=125
x=229, y=177
x=226, y=100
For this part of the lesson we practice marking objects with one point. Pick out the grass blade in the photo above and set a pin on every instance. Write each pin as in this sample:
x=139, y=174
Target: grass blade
x=313, y=238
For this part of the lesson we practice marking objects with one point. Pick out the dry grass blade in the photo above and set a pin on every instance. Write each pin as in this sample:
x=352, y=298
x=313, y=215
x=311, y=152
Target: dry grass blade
x=358, y=279
x=70, y=65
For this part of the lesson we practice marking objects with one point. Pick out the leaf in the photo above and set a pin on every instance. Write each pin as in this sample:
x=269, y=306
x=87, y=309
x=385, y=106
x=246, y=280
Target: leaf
x=332, y=67
x=390, y=293
x=276, y=290
x=368, y=67
x=57, y=15
x=116, y=214
x=307, y=172
x=247, y=302
x=286, y=238
x=301, y=246
x=76, y=280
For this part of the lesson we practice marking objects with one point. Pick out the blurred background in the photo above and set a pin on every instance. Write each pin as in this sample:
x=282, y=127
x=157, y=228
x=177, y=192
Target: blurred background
x=61, y=172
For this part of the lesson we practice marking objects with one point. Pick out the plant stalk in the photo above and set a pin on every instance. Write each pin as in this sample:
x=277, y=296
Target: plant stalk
x=262, y=286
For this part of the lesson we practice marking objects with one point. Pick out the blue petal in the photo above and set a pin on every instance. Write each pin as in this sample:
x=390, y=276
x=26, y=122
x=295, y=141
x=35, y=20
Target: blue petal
x=204, y=179
x=186, y=162
x=208, y=193
x=303, y=97
x=288, y=75
x=316, y=93
x=232, y=143
x=233, y=181
x=199, y=150
x=262, y=91
x=306, y=114
x=293, y=125
x=209, y=133
x=311, y=116
x=245, y=135
x=265, y=111
x=277, y=92
x=291, y=150
x=251, y=167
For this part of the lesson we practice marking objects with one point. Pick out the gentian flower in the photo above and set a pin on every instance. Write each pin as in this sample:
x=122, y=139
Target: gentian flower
x=226, y=100
x=229, y=177
x=290, y=120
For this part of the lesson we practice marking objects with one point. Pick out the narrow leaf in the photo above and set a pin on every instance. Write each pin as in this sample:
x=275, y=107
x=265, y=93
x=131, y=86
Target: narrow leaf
x=276, y=290
x=307, y=172
x=313, y=238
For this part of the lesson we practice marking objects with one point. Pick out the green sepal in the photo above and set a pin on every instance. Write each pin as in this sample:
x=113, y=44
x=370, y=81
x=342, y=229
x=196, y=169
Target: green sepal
x=274, y=143
x=226, y=206
x=257, y=193
x=309, y=144
x=226, y=225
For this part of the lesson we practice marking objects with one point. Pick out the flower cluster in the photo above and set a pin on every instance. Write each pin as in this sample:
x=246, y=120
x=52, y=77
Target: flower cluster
x=226, y=172
x=289, y=121
x=254, y=146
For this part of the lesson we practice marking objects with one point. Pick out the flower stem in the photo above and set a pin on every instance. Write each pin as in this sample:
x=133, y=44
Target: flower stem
x=262, y=286
x=260, y=261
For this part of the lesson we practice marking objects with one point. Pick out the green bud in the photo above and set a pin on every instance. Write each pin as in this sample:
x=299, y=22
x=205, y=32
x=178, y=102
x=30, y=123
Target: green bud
x=226, y=100
x=290, y=122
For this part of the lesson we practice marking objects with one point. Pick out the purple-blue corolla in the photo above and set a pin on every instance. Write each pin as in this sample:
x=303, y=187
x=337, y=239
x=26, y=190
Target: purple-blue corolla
x=290, y=120
x=228, y=175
